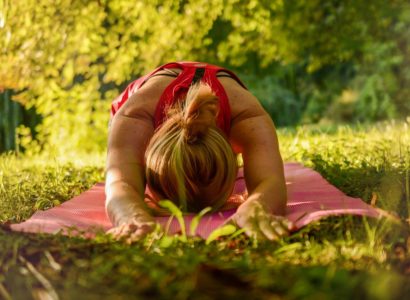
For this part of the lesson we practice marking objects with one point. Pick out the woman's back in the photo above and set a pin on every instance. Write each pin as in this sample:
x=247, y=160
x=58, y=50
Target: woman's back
x=144, y=101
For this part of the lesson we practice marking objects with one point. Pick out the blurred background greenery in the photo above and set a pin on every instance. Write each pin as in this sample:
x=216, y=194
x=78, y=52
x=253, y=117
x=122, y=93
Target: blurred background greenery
x=308, y=61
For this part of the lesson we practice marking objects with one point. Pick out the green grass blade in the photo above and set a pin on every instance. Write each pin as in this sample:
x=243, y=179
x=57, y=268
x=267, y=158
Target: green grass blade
x=222, y=231
x=195, y=220
x=177, y=213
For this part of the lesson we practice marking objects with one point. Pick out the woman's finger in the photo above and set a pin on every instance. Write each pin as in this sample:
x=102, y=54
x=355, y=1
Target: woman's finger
x=137, y=235
x=283, y=220
x=250, y=230
x=268, y=231
x=281, y=225
x=279, y=228
x=112, y=231
x=115, y=232
x=120, y=232
x=122, y=229
x=288, y=225
x=133, y=238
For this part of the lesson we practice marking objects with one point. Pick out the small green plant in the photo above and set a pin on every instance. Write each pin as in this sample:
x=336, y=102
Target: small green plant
x=195, y=220
x=175, y=211
x=166, y=241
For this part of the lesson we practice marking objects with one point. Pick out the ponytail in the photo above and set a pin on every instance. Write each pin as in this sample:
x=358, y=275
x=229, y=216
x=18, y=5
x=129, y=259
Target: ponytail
x=188, y=159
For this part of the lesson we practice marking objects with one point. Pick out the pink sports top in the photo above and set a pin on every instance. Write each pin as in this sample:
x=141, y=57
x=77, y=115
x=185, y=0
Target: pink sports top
x=191, y=72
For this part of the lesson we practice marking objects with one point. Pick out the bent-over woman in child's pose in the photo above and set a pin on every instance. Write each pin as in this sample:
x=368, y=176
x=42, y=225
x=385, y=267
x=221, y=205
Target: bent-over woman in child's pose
x=178, y=130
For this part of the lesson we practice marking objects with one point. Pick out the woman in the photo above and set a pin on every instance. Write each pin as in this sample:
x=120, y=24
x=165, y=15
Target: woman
x=177, y=130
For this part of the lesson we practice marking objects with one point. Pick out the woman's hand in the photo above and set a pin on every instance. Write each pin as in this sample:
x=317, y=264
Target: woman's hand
x=259, y=223
x=135, y=228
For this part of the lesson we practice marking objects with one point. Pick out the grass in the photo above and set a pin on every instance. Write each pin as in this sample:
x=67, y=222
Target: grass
x=336, y=258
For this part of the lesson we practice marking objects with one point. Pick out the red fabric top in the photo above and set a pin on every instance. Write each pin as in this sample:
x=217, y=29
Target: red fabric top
x=178, y=88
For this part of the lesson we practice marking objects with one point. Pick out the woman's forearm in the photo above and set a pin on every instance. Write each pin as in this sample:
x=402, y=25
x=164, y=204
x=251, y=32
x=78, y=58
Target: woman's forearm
x=271, y=193
x=123, y=203
x=124, y=190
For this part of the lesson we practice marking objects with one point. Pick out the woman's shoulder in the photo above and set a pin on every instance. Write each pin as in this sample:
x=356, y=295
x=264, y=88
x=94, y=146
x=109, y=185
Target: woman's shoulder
x=243, y=103
x=144, y=101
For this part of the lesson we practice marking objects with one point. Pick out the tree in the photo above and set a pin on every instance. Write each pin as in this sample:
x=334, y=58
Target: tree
x=69, y=59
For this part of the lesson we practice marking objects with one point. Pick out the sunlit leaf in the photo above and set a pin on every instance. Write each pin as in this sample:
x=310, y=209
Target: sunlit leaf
x=222, y=231
x=196, y=219
x=175, y=211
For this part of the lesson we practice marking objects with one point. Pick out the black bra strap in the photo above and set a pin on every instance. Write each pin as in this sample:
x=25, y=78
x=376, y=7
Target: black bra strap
x=225, y=75
x=164, y=74
x=199, y=73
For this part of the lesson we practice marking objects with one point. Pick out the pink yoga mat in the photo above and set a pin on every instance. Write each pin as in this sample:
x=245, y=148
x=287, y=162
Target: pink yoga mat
x=310, y=197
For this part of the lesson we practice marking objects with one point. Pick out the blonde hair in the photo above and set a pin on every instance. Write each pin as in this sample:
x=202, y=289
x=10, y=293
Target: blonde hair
x=189, y=160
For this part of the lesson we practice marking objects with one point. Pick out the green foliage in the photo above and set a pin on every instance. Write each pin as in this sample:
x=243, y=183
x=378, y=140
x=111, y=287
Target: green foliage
x=374, y=103
x=282, y=104
x=68, y=60
x=10, y=117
